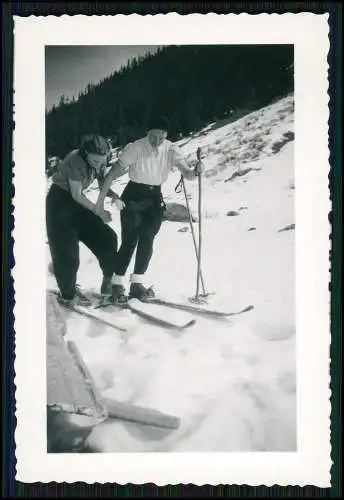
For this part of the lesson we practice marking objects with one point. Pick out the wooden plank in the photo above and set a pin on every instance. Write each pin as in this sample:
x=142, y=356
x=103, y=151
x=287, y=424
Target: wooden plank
x=56, y=325
x=141, y=415
x=94, y=391
x=67, y=388
x=71, y=386
x=123, y=411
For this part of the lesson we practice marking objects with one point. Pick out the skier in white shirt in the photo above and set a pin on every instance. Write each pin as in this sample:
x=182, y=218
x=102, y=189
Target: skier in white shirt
x=148, y=161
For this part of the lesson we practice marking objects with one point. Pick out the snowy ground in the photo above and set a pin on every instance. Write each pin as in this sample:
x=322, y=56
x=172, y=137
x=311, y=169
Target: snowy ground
x=232, y=382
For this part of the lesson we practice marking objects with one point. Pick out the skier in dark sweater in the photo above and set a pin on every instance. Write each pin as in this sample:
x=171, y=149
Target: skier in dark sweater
x=71, y=218
x=148, y=161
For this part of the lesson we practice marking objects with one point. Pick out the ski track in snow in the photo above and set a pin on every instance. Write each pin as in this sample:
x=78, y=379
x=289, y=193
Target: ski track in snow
x=231, y=381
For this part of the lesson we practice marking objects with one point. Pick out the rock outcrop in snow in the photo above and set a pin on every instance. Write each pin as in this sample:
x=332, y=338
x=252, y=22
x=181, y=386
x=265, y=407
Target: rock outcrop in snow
x=176, y=212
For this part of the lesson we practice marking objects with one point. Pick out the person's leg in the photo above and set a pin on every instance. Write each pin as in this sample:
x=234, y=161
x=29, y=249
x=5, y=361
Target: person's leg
x=148, y=231
x=129, y=237
x=130, y=223
x=149, y=228
x=63, y=242
x=101, y=240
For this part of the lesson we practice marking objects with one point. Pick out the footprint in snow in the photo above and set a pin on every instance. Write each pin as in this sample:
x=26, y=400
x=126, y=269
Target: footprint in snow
x=274, y=332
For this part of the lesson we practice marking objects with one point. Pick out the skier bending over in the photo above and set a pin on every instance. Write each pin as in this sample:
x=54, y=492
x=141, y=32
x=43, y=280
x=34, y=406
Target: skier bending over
x=71, y=218
x=148, y=162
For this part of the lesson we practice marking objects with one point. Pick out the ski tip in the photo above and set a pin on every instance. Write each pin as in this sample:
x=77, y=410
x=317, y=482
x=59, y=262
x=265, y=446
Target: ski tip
x=183, y=327
x=191, y=322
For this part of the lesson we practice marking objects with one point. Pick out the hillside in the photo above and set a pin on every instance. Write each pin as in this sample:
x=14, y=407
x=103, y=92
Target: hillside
x=191, y=85
x=233, y=382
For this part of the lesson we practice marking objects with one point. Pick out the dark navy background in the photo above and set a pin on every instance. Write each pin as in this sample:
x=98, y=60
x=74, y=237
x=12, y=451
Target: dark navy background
x=12, y=488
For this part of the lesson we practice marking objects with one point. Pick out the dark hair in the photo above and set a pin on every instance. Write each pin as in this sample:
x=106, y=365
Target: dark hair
x=158, y=122
x=94, y=144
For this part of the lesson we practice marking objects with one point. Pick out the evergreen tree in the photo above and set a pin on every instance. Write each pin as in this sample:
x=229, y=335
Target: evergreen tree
x=191, y=85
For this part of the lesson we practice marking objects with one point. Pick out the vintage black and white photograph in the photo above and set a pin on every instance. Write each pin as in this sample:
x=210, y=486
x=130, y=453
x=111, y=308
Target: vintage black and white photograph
x=169, y=218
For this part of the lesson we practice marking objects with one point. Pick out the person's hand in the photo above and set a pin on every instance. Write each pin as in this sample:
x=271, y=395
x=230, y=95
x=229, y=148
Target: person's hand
x=119, y=204
x=199, y=168
x=105, y=216
x=98, y=209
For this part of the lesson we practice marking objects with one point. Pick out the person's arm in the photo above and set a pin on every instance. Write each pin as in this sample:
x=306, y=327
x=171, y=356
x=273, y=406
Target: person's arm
x=78, y=196
x=117, y=170
x=110, y=194
x=188, y=172
x=128, y=157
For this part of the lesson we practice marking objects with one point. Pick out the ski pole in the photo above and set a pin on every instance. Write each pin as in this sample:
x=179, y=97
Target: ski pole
x=199, y=224
x=192, y=229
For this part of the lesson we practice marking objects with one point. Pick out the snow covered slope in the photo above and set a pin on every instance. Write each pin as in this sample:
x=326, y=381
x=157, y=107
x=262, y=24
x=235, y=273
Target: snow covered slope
x=232, y=382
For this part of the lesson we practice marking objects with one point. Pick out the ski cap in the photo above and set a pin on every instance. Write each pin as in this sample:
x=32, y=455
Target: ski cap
x=95, y=144
x=159, y=123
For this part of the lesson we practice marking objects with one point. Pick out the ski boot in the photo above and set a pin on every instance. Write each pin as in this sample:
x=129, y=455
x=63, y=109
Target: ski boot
x=105, y=292
x=105, y=288
x=118, y=294
x=140, y=292
x=79, y=299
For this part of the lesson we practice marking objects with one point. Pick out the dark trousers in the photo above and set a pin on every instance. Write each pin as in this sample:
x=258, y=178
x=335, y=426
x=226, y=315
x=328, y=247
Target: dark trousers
x=140, y=222
x=68, y=223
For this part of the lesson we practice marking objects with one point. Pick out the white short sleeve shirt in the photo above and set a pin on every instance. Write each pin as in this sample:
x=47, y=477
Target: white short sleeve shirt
x=148, y=165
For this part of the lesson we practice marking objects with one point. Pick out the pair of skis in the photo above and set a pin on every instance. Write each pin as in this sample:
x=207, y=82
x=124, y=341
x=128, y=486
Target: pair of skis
x=176, y=314
x=160, y=311
x=114, y=315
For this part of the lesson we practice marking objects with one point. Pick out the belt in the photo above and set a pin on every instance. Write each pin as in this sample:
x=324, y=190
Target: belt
x=149, y=186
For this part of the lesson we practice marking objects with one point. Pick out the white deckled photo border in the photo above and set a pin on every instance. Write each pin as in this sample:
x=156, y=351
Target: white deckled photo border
x=310, y=465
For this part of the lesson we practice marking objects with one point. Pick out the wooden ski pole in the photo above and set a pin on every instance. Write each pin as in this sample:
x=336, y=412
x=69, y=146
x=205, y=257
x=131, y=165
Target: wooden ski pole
x=199, y=225
x=192, y=231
